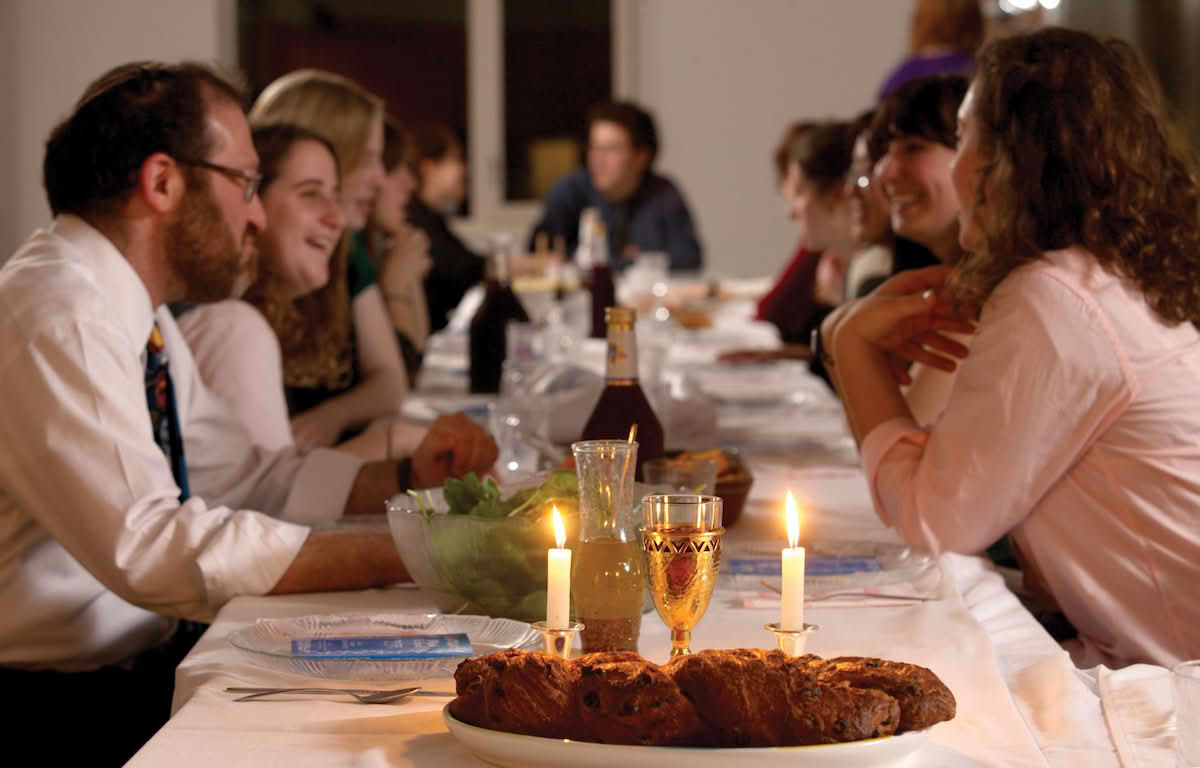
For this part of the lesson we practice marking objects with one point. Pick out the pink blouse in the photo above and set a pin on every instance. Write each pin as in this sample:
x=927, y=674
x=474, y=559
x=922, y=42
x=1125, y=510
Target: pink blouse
x=1074, y=424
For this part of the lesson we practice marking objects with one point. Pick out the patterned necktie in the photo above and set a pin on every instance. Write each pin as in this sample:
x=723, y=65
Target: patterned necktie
x=164, y=418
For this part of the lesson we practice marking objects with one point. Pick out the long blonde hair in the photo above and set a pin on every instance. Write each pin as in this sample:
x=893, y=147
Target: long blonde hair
x=314, y=330
x=329, y=105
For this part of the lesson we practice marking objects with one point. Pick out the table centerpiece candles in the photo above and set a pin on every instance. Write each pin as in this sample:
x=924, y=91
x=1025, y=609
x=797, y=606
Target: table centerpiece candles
x=558, y=578
x=792, y=607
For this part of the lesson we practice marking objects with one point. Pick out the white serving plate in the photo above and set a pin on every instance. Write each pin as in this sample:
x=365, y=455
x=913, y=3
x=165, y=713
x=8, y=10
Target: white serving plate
x=510, y=749
x=783, y=381
x=268, y=643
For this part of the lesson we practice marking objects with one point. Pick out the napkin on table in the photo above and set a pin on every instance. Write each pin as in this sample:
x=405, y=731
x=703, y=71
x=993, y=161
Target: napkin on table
x=1139, y=708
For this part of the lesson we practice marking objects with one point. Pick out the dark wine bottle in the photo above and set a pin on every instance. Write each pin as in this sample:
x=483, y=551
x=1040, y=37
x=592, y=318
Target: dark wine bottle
x=604, y=296
x=623, y=403
x=592, y=258
x=488, y=333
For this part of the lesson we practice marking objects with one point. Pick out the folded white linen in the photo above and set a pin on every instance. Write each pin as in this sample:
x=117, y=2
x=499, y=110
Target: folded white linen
x=1139, y=708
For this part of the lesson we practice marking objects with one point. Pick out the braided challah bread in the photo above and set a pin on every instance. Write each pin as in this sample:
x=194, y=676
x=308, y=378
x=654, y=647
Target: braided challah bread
x=731, y=698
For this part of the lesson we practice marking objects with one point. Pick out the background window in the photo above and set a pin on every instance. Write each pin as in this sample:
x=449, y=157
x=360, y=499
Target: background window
x=413, y=53
x=557, y=64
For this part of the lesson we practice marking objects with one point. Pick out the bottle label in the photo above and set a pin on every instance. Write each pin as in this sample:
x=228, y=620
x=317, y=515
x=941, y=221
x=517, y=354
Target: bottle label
x=622, y=356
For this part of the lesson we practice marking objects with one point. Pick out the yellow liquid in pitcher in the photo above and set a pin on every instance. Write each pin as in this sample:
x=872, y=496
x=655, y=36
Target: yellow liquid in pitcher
x=608, y=584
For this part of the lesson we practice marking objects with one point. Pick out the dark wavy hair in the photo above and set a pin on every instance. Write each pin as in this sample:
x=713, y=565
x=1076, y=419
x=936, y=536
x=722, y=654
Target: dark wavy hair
x=309, y=327
x=926, y=108
x=824, y=153
x=135, y=110
x=782, y=154
x=395, y=143
x=273, y=142
x=1077, y=150
x=635, y=120
x=428, y=141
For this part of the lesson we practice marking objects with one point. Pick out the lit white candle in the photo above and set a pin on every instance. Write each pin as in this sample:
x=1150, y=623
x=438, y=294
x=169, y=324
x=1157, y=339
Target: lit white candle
x=558, y=578
x=792, y=613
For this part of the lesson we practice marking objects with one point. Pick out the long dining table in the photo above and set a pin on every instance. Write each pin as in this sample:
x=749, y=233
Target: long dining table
x=1020, y=702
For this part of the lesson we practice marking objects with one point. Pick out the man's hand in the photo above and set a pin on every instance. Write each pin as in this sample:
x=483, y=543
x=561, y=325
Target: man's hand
x=454, y=446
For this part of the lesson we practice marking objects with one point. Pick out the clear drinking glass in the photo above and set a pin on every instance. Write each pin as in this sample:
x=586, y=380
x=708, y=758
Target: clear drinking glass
x=526, y=345
x=681, y=535
x=1185, y=681
x=608, y=580
x=516, y=459
x=684, y=475
x=654, y=267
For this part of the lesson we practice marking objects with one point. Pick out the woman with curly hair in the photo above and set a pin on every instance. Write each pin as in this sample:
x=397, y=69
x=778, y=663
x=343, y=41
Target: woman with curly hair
x=1074, y=423
x=234, y=342
x=342, y=364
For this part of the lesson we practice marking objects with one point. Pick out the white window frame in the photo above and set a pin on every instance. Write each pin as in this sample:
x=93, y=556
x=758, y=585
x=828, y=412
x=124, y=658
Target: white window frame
x=485, y=109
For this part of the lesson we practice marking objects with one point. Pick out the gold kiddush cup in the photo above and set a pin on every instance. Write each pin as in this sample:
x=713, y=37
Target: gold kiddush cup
x=681, y=535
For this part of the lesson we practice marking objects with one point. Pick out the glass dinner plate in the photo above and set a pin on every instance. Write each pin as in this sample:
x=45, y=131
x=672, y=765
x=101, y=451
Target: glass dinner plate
x=268, y=643
x=866, y=565
x=426, y=408
x=510, y=749
x=782, y=381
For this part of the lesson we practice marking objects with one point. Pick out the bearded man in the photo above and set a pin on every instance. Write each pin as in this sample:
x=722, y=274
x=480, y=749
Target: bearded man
x=126, y=489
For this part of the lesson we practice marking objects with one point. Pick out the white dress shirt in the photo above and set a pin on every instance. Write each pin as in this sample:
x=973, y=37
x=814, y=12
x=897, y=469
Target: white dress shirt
x=95, y=548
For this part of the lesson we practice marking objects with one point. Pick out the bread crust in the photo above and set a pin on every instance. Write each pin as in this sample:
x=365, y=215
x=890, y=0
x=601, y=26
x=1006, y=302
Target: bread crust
x=526, y=692
x=624, y=699
x=744, y=697
x=923, y=698
x=753, y=698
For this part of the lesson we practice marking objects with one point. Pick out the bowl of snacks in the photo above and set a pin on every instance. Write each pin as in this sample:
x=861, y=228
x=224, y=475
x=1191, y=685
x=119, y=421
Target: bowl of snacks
x=733, y=479
x=480, y=548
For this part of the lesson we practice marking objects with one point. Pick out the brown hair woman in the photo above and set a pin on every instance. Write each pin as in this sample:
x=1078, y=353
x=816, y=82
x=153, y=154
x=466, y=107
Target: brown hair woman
x=1074, y=424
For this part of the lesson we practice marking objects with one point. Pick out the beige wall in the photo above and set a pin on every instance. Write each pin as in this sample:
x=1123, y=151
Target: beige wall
x=725, y=77
x=52, y=49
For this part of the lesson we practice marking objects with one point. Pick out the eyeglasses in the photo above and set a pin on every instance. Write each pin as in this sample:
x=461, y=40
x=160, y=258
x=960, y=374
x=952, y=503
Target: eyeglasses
x=250, y=181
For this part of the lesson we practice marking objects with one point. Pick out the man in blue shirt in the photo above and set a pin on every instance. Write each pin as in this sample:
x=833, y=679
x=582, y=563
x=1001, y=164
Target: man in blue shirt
x=642, y=211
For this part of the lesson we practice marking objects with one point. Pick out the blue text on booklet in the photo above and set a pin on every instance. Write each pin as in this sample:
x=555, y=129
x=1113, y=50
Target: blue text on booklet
x=814, y=566
x=382, y=647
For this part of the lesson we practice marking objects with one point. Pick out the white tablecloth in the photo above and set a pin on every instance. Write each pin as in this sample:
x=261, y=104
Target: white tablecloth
x=1020, y=701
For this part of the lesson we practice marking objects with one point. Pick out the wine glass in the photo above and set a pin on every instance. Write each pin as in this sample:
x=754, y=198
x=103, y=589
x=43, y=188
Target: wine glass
x=681, y=536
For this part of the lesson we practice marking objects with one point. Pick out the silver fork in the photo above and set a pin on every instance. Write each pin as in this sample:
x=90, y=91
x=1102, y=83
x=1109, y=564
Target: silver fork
x=364, y=695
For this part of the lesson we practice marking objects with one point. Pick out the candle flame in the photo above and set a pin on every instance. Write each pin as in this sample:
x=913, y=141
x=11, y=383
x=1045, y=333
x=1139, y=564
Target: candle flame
x=793, y=520
x=560, y=533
